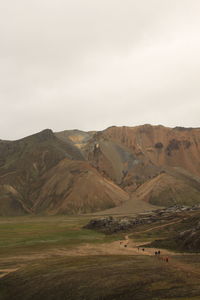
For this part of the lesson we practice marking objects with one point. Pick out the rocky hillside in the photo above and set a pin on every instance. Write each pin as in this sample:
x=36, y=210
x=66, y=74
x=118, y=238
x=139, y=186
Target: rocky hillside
x=44, y=174
x=110, y=224
x=160, y=145
x=77, y=172
x=167, y=190
x=76, y=187
x=152, y=163
x=146, y=149
x=189, y=239
x=185, y=236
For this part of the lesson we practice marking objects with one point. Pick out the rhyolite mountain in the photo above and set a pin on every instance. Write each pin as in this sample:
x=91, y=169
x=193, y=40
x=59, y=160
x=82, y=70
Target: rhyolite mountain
x=76, y=172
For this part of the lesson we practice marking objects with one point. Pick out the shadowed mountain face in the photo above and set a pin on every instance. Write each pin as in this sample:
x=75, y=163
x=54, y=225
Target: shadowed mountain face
x=23, y=164
x=78, y=172
x=42, y=173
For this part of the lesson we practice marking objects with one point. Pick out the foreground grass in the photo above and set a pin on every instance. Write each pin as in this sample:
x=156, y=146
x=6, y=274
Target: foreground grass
x=22, y=235
x=99, y=277
x=107, y=277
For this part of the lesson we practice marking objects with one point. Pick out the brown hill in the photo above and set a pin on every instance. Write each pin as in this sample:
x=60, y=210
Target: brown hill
x=114, y=160
x=75, y=171
x=167, y=190
x=132, y=155
x=76, y=187
x=162, y=146
x=23, y=163
x=39, y=173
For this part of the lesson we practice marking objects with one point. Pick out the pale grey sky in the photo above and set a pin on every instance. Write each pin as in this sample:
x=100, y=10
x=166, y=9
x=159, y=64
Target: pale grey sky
x=90, y=64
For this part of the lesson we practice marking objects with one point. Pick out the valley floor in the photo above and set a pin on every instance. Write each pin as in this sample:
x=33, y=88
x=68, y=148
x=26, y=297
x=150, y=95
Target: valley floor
x=54, y=258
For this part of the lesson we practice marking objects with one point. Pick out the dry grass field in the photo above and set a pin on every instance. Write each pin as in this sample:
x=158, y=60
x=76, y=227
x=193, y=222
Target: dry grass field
x=55, y=258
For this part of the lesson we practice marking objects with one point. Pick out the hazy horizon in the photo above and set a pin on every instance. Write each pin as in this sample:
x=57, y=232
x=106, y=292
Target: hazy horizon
x=89, y=65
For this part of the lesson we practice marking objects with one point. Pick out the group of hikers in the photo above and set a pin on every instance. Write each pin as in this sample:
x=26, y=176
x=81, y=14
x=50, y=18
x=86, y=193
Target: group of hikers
x=156, y=253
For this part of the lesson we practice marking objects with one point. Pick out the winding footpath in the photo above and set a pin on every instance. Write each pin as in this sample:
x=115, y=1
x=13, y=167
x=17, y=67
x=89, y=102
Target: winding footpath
x=127, y=246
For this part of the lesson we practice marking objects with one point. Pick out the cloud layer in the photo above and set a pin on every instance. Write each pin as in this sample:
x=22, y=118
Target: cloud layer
x=91, y=64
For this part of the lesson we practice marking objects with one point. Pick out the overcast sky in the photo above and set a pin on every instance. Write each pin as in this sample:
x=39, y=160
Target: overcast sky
x=90, y=64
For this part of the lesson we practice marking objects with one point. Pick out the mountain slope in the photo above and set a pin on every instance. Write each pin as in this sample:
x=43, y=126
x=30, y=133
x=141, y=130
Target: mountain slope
x=77, y=137
x=183, y=236
x=30, y=165
x=22, y=164
x=75, y=172
x=130, y=156
x=167, y=190
x=76, y=187
x=161, y=145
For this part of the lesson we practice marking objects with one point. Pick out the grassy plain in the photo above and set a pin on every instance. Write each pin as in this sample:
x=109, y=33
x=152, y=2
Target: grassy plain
x=31, y=245
x=99, y=277
x=24, y=235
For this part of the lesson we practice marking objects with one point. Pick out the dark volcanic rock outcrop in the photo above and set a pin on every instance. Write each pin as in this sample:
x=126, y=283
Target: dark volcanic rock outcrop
x=112, y=224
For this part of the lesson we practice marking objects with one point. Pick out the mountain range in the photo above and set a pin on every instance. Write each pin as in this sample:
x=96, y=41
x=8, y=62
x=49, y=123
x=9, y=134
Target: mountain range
x=75, y=172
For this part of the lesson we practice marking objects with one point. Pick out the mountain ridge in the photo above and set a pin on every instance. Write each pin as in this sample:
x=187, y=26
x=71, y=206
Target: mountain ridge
x=123, y=163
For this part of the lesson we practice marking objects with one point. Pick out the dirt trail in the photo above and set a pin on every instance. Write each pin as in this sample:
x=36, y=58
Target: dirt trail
x=123, y=247
x=4, y=272
x=160, y=226
x=172, y=262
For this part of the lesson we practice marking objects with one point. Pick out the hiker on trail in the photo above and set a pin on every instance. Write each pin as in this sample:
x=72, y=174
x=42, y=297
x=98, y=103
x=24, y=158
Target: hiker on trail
x=125, y=245
x=142, y=249
x=156, y=253
x=167, y=259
